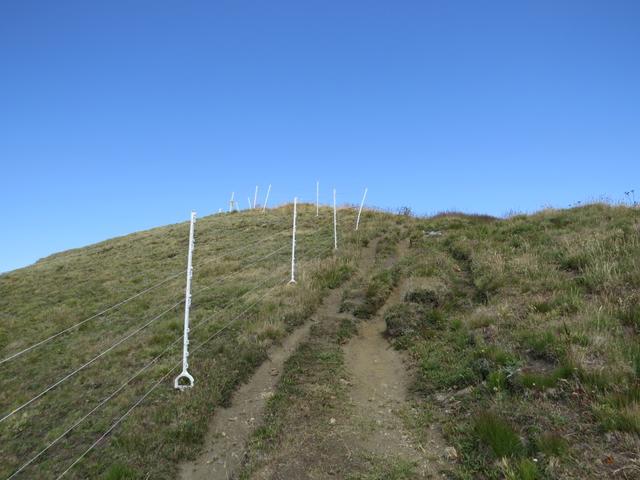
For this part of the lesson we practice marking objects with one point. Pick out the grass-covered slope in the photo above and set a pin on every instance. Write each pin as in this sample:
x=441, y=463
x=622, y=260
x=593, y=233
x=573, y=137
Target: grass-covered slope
x=525, y=334
x=241, y=266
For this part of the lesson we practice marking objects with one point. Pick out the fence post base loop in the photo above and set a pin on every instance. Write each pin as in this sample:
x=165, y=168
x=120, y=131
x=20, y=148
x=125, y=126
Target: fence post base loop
x=183, y=386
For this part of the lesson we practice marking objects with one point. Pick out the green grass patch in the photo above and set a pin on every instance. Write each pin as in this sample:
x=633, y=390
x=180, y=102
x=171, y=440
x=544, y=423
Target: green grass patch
x=121, y=472
x=551, y=444
x=545, y=345
x=629, y=316
x=498, y=435
x=542, y=381
x=332, y=275
x=346, y=330
x=377, y=291
x=620, y=410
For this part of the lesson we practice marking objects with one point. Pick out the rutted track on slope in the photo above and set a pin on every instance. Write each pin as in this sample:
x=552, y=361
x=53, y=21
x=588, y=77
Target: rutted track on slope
x=230, y=427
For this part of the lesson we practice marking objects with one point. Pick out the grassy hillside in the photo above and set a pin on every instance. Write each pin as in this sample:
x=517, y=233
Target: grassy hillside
x=520, y=335
x=242, y=263
x=525, y=334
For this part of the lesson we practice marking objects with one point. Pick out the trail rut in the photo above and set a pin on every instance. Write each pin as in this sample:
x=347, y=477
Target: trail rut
x=378, y=394
x=231, y=427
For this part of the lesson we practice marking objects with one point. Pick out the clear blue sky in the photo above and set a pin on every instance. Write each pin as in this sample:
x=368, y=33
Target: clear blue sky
x=117, y=116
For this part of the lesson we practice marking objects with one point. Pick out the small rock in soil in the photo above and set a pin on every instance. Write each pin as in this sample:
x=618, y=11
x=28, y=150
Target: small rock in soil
x=451, y=453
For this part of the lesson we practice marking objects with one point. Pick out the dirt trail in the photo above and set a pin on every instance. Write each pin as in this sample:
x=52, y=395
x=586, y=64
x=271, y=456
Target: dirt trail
x=231, y=427
x=378, y=393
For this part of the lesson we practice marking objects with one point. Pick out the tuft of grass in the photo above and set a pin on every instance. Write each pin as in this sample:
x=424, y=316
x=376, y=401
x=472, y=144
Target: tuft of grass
x=497, y=380
x=498, y=435
x=551, y=444
x=332, y=275
x=447, y=360
x=544, y=345
x=629, y=316
x=524, y=469
x=541, y=381
x=346, y=330
x=496, y=355
x=121, y=472
x=378, y=290
x=423, y=296
x=620, y=410
x=400, y=319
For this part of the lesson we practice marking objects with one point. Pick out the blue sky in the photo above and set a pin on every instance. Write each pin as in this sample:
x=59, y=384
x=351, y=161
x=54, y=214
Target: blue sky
x=118, y=116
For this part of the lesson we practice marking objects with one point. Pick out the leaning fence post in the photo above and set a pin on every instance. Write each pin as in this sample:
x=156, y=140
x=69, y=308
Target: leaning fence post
x=360, y=210
x=255, y=197
x=187, y=305
x=335, y=222
x=293, y=242
x=266, y=199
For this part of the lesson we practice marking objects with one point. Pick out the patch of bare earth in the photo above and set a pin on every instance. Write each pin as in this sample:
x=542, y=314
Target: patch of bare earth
x=231, y=426
x=353, y=423
x=379, y=380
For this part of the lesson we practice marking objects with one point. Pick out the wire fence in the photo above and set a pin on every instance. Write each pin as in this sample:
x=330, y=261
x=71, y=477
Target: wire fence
x=316, y=241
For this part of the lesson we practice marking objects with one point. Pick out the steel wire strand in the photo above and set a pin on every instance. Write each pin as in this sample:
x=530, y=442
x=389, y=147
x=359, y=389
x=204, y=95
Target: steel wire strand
x=164, y=377
x=138, y=373
x=119, y=342
x=129, y=299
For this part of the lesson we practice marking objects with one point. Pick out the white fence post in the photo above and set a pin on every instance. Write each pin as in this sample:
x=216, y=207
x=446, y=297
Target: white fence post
x=335, y=222
x=187, y=305
x=231, y=201
x=249, y=201
x=255, y=197
x=293, y=242
x=317, y=199
x=266, y=199
x=360, y=210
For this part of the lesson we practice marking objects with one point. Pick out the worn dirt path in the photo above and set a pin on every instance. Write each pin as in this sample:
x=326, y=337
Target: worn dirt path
x=379, y=396
x=367, y=433
x=231, y=427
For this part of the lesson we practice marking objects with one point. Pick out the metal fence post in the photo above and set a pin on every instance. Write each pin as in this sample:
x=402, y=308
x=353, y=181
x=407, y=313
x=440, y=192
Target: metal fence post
x=187, y=305
x=231, y=201
x=360, y=210
x=335, y=222
x=266, y=199
x=293, y=242
x=255, y=197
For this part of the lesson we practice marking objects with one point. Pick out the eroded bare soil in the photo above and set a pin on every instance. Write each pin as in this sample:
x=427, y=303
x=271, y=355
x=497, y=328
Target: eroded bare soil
x=231, y=426
x=379, y=395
